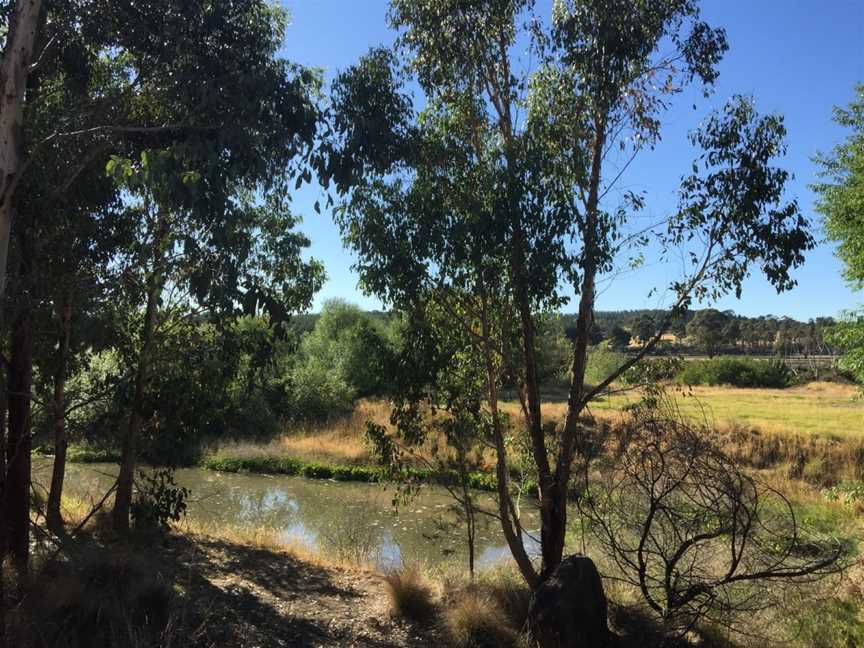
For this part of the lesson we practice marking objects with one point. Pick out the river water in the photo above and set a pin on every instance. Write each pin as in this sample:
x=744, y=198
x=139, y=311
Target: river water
x=347, y=519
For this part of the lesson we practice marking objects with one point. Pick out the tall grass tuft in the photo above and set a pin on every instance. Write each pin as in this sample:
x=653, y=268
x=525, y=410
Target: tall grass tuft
x=474, y=619
x=100, y=600
x=410, y=596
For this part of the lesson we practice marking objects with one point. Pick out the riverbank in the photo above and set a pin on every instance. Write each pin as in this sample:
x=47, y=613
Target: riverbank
x=295, y=466
x=206, y=586
x=201, y=591
x=249, y=541
x=337, y=449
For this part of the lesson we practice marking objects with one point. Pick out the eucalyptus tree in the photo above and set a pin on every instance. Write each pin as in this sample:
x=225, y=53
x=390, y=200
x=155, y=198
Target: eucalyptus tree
x=841, y=203
x=503, y=185
x=201, y=258
x=21, y=20
x=73, y=286
x=706, y=330
x=644, y=327
x=121, y=77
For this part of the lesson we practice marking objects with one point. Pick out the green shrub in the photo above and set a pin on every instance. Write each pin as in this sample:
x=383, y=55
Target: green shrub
x=275, y=465
x=848, y=493
x=653, y=370
x=82, y=454
x=160, y=500
x=319, y=392
x=738, y=372
x=601, y=362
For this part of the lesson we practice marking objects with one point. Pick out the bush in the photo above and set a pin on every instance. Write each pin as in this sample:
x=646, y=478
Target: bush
x=602, y=361
x=653, y=370
x=738, y=372
x=160, y=500
x=319, y=392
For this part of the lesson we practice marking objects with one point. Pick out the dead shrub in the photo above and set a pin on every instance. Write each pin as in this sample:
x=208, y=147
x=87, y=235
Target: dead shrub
x=698, y=536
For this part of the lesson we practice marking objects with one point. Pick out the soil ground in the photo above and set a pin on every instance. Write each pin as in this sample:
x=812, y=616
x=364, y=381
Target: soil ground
x=258, y=598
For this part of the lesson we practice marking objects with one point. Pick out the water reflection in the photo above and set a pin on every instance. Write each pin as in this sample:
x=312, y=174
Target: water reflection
x=350, y=520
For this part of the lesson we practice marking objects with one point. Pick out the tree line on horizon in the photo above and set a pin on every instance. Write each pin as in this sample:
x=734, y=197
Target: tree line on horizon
x=705, y=330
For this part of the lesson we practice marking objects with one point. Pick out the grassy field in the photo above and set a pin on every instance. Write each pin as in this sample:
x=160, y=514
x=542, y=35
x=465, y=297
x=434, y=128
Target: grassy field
x=820, y=409
x=814, y=432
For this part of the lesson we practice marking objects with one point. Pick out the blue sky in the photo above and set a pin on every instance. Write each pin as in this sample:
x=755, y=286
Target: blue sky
x=795, y=57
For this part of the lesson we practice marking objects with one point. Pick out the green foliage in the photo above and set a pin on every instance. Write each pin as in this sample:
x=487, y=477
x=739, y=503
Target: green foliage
x=653, y=370
x=738, y=372
x=706, y=329
x=849, y=493
x=318, y=391
x=160, y=501
x=834, y=624
x=282, y=465
x=848, y=335
x=602, y=362
x=554, y=352
x=346, y=356
x=841, y=195
x=644, y=328
x=83, y=454
x=841, y=202
x=619, y=338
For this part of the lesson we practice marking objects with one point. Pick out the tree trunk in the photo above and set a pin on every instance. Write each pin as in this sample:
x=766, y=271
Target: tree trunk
x=510, y=524
x=123, y=496
x=53, y=517
x=17, y=485
x=468, y=507
x=3, y=518
x=557, y=523
x=534, y=422
x=14, y=69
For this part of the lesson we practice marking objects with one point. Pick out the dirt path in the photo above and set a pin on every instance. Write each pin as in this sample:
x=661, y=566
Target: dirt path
x=256, y=598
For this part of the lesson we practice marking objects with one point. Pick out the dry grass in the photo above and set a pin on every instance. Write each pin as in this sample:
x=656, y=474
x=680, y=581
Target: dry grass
x=814, y=432
x=265, y=538
x=102, y=599
x=75, y=510
x=410, y=596
x=474, y=619
x=489, y=611
x=818, y=409
x=342, y=441
x=820, y=460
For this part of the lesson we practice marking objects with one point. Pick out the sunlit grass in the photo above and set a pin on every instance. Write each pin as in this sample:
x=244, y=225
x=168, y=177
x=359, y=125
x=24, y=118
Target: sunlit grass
x=820, y=409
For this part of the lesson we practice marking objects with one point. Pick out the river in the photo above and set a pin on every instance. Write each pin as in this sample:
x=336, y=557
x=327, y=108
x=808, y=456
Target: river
x=351, y=520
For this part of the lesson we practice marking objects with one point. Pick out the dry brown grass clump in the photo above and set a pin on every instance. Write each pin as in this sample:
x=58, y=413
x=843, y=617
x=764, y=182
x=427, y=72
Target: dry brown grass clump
x=410, y=597
x=264, y=538
x=819, y=460
x=473, y=618
x=100, y=600
x=490, y=611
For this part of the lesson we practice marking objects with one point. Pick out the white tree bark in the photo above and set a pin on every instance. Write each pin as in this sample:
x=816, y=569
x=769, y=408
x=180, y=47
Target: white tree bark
x=14, y=68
